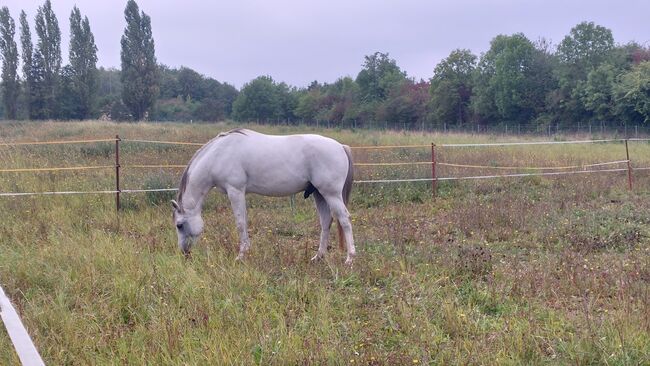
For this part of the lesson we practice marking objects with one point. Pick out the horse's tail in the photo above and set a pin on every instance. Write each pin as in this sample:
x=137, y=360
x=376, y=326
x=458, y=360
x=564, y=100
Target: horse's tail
x=347, y=188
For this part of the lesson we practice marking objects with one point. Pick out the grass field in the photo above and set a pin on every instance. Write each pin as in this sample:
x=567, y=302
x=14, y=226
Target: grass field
x=507, y=271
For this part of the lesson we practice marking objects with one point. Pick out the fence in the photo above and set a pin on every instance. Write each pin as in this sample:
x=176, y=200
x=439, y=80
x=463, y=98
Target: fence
x=434, y=162
x=23, y=344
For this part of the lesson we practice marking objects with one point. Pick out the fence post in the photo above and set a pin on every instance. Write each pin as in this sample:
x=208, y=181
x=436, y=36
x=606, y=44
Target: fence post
x=434, y=181
x=629, y=166
x=117, y=171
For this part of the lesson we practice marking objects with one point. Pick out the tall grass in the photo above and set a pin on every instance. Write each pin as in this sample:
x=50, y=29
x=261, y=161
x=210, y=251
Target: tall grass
x=507, y=271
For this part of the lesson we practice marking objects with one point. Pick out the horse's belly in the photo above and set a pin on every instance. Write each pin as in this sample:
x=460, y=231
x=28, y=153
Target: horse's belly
x=277, y=187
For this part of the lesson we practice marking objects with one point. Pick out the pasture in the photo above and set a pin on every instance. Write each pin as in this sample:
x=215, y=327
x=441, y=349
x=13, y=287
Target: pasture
x=533, y=270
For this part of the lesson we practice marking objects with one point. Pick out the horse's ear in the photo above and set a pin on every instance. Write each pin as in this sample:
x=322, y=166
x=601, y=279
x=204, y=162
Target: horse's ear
x=175, y=205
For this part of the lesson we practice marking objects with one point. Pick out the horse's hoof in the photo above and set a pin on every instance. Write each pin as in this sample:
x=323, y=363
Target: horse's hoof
x=240, y=258
x=349, y=261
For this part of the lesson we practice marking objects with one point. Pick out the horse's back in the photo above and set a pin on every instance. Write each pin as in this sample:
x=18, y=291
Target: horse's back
x=282, y=165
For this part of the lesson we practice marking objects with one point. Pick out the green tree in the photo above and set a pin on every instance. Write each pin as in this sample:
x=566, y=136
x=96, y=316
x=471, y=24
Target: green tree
x=258, y=100
x=68, y=101
x=83, y=63
x=222, y=93
x=586, y=47
x=185, y=93
x=341, y=98
x=39, y=92
x=9, y=54
x=49, y=48
x=140, y=78
x=168, y=81
x=625, y=56
x=288, y=100
x=407, y=105
x=336, y=103
x=27, y=49
x=309, y=103
x=510, y=81
x=632, y=94
x=189, y=82
x=582, y=50
x=109, y=94
x=451, y=88
x=597, y=93
x=379, y=75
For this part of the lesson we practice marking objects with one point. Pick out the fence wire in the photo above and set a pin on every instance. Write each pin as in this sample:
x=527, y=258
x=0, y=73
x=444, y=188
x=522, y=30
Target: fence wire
x=583, y=167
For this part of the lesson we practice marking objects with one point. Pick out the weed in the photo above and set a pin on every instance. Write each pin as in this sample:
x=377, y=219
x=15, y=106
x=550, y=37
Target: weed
x=473, y=260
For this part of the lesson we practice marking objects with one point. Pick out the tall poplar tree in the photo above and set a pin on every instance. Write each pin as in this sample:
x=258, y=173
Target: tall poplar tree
x=139, y=67
x=49, y=48
x=27, y=55
x=9, y=54
x=83, y=64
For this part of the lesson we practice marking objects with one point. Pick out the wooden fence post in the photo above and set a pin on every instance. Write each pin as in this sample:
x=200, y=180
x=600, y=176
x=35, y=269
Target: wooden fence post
x=434, y=181
x=117, y=171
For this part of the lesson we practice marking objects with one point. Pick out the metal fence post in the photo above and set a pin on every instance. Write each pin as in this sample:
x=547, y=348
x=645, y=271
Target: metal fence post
x=629, y=166
x=434, y=181
x=117, y=171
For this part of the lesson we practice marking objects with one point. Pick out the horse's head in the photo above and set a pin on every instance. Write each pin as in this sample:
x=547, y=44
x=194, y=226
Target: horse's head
x=189, y=227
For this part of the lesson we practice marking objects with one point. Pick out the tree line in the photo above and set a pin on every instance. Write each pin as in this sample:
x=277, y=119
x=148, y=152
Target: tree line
x=585, y=78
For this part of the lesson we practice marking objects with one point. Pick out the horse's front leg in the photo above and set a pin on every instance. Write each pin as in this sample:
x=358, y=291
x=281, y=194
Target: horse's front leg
x=238, y=203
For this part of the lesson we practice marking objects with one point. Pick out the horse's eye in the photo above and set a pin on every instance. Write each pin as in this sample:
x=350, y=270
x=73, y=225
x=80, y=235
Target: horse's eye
x=179, y=226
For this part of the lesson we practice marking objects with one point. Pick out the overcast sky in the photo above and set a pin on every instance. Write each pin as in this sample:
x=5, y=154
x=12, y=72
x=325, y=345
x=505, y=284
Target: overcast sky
x=298, y=41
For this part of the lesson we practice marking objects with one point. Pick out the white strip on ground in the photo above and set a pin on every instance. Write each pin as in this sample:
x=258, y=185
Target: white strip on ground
x=23, y=344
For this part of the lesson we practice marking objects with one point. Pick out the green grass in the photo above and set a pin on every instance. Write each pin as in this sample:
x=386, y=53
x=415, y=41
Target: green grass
x=506, y=271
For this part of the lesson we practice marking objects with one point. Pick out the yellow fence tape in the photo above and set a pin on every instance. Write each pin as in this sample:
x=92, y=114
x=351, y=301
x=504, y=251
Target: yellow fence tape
x=21, y=170
x=23, y=143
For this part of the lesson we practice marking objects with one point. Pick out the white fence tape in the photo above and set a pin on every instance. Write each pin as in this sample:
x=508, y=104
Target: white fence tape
x=494, y=176
x=149, y=190
x=17, y=194
x=531, y=143
x=27, y=352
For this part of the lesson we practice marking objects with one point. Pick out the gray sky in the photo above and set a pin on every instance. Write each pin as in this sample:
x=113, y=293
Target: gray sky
x=299, y=41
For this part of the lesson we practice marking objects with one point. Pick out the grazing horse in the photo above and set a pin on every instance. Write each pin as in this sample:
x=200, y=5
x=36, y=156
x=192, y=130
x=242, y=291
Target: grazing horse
x=243, y=161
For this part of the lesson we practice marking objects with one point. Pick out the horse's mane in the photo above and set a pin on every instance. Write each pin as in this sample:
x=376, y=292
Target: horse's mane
x=183, y=185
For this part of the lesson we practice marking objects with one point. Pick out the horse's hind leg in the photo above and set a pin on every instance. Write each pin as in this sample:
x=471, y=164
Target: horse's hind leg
x=341, y=214
x=238, y=203
x=325, y=216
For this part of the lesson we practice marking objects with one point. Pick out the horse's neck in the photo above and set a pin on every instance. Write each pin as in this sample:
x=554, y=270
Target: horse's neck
x=195, y=191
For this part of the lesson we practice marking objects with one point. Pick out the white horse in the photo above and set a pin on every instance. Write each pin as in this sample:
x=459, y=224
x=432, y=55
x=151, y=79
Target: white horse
x=243, y=161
